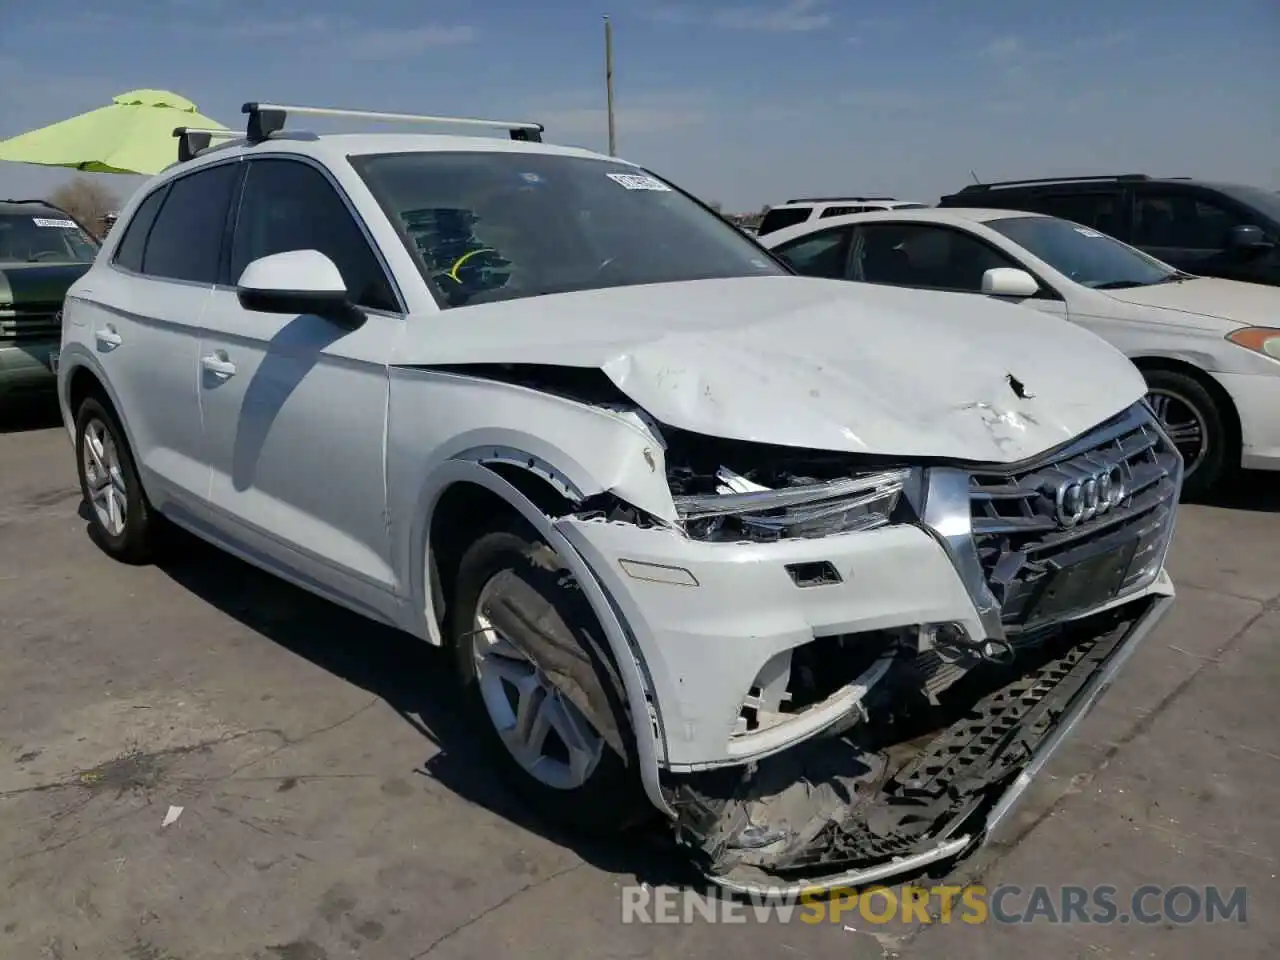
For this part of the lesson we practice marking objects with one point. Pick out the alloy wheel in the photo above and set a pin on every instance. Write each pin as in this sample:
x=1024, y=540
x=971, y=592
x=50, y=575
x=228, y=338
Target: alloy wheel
x=1185, y=424
x=541, y=728
x=108, y=493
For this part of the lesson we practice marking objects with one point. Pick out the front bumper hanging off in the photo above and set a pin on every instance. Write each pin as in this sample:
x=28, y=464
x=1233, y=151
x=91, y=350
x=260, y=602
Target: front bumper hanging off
x=844, y=810
x=835, y=710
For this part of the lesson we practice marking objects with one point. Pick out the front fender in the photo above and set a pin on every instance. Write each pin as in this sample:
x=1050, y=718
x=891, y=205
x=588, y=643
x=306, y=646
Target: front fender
x=649, y=748
x=437, y=416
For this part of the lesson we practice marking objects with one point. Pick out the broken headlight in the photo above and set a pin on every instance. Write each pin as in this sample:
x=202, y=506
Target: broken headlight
x=743, y=510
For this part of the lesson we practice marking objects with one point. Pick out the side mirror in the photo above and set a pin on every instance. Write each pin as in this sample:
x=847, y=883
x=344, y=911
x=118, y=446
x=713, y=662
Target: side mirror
x=297, y=282
x=1009, y=282
x=1247, y=237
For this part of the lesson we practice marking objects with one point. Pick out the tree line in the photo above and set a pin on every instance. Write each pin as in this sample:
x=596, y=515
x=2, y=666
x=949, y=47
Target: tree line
x=88, y=202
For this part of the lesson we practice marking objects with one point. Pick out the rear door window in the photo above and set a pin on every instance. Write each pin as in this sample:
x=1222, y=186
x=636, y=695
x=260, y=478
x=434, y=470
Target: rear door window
x=780, y=218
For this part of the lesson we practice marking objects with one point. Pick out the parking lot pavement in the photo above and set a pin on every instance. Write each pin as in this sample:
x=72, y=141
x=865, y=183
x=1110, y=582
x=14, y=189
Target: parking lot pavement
x=332, y=803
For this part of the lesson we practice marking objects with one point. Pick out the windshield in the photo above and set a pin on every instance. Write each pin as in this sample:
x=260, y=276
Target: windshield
x=499, y=225
x=44, y=237
x=1083, y=254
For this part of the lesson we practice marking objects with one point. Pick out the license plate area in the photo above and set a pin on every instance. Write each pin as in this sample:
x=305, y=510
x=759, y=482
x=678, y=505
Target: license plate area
x=1084, y=584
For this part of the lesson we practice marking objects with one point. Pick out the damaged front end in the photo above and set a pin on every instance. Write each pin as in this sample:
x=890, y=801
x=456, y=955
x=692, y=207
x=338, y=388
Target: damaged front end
x=914, y=778
x=920, y=736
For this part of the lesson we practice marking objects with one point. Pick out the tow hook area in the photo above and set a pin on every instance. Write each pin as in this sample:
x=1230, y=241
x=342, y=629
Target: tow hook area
x=912, y=781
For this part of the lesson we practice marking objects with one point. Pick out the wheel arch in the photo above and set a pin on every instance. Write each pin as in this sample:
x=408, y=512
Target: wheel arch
x=1211, y=385
x=466, y=494
x=82, y=376
x=82, y=383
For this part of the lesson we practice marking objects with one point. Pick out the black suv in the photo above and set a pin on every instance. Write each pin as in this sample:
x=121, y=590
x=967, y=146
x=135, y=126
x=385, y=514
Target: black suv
x=1210, y=229
x=43, y=250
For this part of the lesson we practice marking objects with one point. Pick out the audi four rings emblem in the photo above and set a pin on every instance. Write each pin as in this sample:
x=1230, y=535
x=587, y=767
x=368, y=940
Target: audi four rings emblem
x=1089, y=495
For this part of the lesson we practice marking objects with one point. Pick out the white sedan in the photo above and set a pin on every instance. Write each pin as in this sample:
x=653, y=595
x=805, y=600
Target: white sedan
x=1209, y=349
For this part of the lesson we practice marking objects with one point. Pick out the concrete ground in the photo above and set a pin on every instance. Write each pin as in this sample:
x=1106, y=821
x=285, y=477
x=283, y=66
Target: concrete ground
x=333, y=804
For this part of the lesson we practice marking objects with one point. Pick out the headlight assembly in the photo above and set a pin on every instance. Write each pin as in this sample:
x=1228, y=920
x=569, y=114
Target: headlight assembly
x=1264, y=340
x=741, y=510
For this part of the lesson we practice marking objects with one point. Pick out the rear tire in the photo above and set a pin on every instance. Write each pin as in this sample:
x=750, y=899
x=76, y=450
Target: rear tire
x=121, y=519
x=1199, y=427
x=573, y=779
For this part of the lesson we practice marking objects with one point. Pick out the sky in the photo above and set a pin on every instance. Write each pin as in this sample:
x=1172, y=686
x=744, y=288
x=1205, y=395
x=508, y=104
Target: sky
x=741, y=102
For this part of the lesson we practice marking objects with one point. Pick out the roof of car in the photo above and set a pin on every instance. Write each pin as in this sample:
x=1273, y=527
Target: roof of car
x=837, y=201
x=27, y=207
x=1083, y=184
x=952, y=215
x=339, y=146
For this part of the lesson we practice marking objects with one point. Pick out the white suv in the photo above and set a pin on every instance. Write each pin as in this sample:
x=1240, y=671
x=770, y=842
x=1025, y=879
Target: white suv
x=824, y=571
x=809, y=209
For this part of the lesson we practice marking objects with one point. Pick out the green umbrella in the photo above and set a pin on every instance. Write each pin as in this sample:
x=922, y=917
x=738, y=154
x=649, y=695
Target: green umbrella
x=132, y=135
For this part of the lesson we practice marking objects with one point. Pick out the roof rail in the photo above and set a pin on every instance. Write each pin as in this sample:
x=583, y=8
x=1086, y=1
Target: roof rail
x=837, y=199
x=268, y=118
x=194, y=140
x=1104, y=178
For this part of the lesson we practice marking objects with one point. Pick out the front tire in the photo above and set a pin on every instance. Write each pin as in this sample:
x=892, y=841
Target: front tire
x=1198, y=427
x=545, y=746
x=121, y=520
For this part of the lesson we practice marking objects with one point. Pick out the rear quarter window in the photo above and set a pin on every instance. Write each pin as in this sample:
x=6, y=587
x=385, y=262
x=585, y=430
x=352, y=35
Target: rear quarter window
x=129, y=251
x=845, y=211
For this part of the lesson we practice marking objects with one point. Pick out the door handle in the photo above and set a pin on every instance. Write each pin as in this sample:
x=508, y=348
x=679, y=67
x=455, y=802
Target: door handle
x=219, y=365
x=107, y=338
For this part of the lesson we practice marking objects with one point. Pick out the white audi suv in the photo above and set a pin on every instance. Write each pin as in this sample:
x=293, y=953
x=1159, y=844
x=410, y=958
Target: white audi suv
x=821, y=571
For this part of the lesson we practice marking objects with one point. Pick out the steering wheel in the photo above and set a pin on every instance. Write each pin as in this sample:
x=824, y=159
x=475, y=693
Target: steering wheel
x=452, y=272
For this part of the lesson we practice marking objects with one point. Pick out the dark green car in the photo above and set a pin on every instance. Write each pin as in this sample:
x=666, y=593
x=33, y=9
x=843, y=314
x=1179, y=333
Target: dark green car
x=42, y=252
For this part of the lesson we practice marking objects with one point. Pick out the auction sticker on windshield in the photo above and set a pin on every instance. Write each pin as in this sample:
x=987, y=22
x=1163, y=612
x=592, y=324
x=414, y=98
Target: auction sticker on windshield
x=638, y=181
x=1086, y=232
x=46, y=222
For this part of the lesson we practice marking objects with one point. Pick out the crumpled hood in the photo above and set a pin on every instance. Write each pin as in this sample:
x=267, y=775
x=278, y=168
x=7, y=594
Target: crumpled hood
x=1248, y=304
x=822, y=364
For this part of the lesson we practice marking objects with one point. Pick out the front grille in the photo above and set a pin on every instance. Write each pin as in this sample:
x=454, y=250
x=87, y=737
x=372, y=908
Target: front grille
x=1026, y=551
x=29, y=323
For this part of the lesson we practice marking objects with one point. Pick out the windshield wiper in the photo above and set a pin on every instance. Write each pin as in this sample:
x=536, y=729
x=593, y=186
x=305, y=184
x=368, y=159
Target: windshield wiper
x=1119, y=285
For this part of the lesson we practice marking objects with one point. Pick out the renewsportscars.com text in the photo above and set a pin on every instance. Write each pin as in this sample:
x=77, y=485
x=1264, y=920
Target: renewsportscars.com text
x=975, y=904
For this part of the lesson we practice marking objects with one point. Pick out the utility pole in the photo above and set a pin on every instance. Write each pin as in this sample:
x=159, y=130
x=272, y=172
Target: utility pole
x=608, y=82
